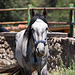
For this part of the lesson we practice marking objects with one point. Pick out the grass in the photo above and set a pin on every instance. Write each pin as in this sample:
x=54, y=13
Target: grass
x=62, y=70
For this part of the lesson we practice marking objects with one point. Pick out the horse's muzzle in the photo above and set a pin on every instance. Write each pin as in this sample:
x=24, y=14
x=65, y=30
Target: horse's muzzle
x=40, y=49
x=40, y=54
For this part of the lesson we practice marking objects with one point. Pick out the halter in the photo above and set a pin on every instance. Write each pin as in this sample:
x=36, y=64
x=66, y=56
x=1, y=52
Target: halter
x=37, y=42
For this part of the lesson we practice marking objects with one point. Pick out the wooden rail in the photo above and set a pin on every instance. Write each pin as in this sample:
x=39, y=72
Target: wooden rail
x=14, y=9
x=38, y=8
x=18, y=22
x=60, y=23
x=54, y=8
x=25, y=22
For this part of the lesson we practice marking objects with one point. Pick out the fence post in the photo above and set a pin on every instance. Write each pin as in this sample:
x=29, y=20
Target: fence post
x=29, y=6
x=71, y=20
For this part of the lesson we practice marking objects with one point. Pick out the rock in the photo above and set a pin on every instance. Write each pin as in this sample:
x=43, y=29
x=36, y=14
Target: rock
x=2, y=50
x=4, y=56
x=13, y=61
x=2, y=46
x=5, y=62
x=57, y=46
x=2, y=38
x=0, y=56
x=11, y=56
x=6, y=45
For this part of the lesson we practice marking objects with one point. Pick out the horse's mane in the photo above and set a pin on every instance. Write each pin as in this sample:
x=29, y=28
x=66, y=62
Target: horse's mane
x=33, y=19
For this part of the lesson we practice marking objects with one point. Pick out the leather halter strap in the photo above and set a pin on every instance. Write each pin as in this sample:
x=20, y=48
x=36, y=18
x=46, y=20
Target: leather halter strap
x=37, y=42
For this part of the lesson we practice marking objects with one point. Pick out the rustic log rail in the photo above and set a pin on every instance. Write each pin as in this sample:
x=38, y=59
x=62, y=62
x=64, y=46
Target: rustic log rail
x=25, y=22
x=60, y=23
x=38, y=8
x=14, y=9
x=54, y=8
x=18, y=22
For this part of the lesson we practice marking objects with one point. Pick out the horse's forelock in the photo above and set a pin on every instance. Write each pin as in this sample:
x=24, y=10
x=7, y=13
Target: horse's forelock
x=38, y=16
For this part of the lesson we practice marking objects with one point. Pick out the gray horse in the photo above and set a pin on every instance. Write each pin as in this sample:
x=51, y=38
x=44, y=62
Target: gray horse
x=31, y=45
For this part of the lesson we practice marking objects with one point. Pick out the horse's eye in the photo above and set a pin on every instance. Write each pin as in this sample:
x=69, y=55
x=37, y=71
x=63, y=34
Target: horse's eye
x=46, y=28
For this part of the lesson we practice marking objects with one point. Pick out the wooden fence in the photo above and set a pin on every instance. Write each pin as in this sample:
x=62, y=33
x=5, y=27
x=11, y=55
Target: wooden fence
x=71, y=13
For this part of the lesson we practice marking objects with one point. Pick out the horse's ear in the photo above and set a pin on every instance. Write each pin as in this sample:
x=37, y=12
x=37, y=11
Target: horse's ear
x=32, y=13
x=45, y=12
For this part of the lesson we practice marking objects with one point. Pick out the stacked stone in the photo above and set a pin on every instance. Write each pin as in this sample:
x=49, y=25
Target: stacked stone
x=55, y=51
x=61, y=50
x=6, y=53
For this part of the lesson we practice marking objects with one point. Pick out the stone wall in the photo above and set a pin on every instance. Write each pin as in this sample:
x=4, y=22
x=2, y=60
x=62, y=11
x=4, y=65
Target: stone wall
x=7, y=47
x=61, y=49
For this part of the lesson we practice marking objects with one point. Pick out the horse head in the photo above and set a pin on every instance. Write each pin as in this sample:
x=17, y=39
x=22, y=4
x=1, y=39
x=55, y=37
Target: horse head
x=39, y=29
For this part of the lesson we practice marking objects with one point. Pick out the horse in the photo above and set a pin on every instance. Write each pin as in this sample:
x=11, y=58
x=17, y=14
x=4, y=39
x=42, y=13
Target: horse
x=31, y=45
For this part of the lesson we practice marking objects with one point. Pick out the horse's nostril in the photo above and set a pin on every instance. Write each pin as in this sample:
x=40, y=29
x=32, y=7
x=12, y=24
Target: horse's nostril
x=38, y=49
x=42, y=51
